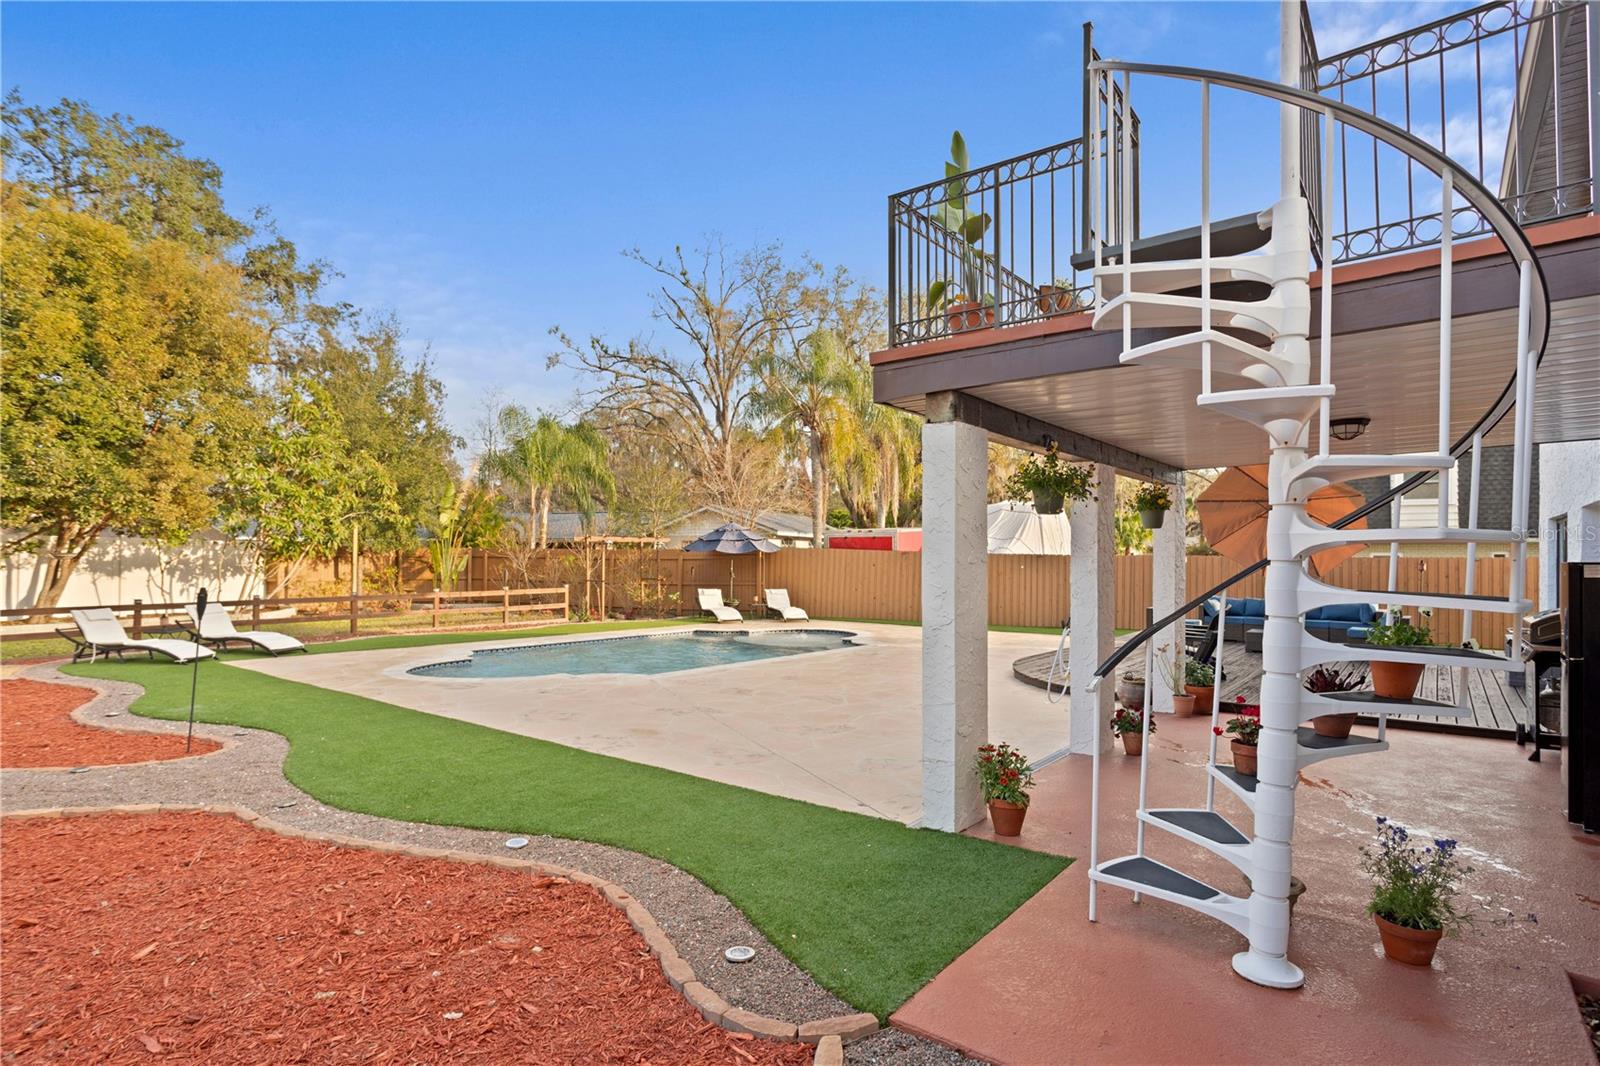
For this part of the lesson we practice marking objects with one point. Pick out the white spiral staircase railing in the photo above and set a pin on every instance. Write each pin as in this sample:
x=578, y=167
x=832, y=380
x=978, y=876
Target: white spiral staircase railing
x=1277, y=389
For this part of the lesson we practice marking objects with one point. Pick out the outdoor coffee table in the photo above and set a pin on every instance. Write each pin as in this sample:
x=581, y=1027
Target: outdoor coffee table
x=1252, y=639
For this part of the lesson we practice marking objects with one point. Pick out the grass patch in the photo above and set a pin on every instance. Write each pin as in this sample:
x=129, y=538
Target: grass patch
x=870, y=908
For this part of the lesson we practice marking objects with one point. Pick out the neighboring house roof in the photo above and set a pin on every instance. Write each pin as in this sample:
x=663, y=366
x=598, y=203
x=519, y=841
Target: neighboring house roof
x=568, y=525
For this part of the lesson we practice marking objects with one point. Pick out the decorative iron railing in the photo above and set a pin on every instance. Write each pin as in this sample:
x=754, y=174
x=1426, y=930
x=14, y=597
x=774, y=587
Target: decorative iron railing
x=1485, y=87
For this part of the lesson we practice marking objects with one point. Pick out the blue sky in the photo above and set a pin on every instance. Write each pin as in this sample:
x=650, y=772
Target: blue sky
x=477, y=169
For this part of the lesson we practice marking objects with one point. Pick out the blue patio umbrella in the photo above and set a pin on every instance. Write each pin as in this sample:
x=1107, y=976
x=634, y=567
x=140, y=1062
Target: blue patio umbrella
x=731, y=539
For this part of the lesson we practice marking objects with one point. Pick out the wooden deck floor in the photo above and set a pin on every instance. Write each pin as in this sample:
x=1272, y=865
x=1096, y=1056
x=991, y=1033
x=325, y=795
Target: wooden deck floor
x=1496, y=706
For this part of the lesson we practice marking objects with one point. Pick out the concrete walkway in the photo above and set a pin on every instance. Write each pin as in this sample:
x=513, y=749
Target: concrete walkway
x=839, y=728
x=1151, y=982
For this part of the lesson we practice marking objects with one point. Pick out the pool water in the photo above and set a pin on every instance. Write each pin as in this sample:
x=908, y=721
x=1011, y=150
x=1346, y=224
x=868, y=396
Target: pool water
x=648, y=654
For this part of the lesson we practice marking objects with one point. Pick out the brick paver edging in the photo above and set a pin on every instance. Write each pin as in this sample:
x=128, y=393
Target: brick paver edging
x=829, y=1034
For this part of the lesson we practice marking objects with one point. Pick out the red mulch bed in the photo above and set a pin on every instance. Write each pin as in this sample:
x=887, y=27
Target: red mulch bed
x=197, y=938
x=36, y=729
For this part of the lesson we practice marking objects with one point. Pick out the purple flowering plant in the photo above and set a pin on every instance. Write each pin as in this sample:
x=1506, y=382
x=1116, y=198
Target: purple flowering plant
x=1414, y=883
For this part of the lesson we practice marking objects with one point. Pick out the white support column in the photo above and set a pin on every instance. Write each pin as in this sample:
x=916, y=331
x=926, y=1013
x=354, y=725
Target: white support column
x=1168, y=584
x=955, y=621
x=1093, y=612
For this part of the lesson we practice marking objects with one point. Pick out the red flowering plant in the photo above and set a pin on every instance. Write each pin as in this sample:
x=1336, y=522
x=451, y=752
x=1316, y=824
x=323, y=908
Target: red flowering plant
x=1125, y=721
x=1004, y=773
x=1245, y=725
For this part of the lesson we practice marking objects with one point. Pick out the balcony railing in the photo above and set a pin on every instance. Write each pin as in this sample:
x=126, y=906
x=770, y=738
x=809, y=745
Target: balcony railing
x=1498, y=88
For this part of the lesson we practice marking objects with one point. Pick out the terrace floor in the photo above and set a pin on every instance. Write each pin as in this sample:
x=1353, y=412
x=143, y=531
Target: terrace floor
x=1151, y=982
x=839, y=728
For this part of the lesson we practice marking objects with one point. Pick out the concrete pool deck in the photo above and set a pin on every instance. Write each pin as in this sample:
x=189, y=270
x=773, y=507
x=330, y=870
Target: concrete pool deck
x=840, y=728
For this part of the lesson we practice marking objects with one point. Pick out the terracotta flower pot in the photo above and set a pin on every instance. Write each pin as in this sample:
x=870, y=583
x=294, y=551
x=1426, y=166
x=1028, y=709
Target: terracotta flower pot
x=1131, y=694
x=1244, y=758
x=1183, y=705
x=1396, y=681
x=1335, y=726
x=969, y=315
x=1203, y=695
x=1007, y=817
x=1133, y=743
x=1414, y=947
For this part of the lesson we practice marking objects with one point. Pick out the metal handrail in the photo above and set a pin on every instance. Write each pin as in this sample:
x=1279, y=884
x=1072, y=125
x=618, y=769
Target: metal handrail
x=1518, y=247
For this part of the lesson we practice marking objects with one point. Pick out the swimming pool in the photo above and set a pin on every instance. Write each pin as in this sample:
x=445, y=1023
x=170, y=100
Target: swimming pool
x=661, y=653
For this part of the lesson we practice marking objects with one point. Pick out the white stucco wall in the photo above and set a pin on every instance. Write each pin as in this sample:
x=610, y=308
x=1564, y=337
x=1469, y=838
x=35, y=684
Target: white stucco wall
x=123, y=569
x=1569, y=485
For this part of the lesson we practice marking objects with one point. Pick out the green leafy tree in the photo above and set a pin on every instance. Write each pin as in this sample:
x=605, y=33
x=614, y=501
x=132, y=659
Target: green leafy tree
x=466, y=517
x=541, y=459
x=300, y=490
x=127, y=382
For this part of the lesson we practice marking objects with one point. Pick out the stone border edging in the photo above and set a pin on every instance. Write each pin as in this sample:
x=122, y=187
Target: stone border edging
x=829, y=1034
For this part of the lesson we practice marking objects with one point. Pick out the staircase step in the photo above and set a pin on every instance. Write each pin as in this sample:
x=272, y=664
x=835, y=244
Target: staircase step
x=1182, y=278
x=1241, y=785
x=1314, y=593
x=1331, y=468
x=1145, y=875
x=1263, y=406
x=1161, y=309
x=1367, y=702
x=1229, y=236
x=1306, y=536
x=1208, y=829
x=1229, y=355
x=1314, y=651
x=1311, y=748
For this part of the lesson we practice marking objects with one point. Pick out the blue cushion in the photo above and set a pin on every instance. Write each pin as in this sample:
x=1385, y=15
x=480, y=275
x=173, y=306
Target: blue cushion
x=1343, y=612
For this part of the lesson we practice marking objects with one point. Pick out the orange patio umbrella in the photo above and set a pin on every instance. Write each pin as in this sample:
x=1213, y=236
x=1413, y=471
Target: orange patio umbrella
x=1233, y=514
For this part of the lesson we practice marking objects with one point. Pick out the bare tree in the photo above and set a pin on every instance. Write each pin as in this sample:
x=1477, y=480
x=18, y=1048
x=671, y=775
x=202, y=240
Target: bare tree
x=723, y=310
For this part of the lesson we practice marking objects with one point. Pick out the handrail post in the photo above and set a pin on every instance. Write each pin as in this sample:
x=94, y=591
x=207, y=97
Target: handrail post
x=1205, y=235
x=138, y=619
x=1446, y=259
x=1473, y=488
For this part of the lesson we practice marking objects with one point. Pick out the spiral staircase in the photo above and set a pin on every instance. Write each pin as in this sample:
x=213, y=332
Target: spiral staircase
x=1246, y=318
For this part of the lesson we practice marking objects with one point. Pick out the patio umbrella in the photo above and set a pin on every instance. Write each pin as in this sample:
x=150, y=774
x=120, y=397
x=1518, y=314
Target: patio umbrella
x=731, y=539
x=1233, y=514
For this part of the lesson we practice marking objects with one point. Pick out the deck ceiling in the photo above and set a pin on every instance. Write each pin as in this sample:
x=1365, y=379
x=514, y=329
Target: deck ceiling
x=1387, y=375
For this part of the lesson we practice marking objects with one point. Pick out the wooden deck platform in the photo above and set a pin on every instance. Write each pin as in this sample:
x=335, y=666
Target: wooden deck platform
x=1496, y=706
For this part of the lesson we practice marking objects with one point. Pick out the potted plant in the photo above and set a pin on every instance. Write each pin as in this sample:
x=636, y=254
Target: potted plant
x=1049, y=482
x=1151, y=500
x=1413, y=892
x=1245, y=725
x=1397, y=681
x=966, y=304
x=1058, y=298
x=1199, y=681
x=1130, y=690
x=1006, y=780
x=1129, y=725
x=1341, y=677
x=1182, y=702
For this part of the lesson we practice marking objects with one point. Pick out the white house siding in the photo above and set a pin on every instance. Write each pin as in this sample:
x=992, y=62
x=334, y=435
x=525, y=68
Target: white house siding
x=123, y=569
x=1569, y=478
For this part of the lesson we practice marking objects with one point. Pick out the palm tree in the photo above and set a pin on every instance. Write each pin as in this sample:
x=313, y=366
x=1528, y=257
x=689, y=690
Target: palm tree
x=808, y=393
x=880, y=459
x=541, y=457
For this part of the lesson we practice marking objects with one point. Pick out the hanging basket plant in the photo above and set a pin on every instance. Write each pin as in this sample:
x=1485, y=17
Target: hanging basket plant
x=1049, y=483
x=1152, y=501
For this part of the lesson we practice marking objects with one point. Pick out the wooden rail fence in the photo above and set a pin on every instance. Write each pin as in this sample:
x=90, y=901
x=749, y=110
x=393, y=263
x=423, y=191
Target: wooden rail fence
x=435, y=604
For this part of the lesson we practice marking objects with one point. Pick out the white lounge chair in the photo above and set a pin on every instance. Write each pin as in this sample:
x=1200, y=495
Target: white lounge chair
x=711, y=603
x=778, y=600
x=102, y=634
x=218, y=630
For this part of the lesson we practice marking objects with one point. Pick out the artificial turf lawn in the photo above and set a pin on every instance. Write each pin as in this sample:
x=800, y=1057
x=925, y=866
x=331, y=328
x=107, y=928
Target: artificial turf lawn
x=870, y=908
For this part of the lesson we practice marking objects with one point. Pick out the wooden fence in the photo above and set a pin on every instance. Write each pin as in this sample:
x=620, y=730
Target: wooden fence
x=468, y=607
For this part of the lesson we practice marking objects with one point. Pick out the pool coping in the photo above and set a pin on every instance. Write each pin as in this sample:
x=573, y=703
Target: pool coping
x=404, y=671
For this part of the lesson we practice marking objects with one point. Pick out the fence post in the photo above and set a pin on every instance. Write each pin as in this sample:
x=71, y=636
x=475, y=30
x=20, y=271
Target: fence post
x=566, y=606
x=255, y=612
x=138, y=619
x=436, y=608
x=355, y=613
x=505, y=604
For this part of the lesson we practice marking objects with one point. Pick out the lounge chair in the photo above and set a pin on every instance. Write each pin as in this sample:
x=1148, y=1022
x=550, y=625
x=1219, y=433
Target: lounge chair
x=217, y=629
x=711, y=603
x=778, y=600
x=102, y=634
